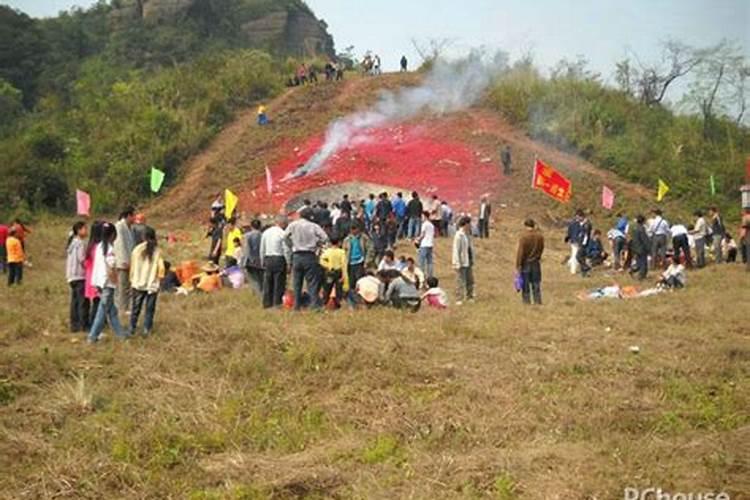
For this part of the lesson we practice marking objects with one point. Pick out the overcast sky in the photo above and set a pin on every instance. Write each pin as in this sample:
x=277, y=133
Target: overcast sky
x=603, y=31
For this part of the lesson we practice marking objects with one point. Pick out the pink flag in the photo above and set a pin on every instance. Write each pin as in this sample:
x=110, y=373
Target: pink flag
x=83, y=200
x=269, y=181
x=608, y=198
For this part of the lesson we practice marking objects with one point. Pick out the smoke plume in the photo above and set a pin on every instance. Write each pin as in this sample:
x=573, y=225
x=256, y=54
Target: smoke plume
x=449, y=86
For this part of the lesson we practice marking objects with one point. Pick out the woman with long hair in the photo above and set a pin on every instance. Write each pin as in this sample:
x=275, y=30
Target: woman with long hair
x=75, y=273
x=90, y=292
x=104, y=278
x=146, y=272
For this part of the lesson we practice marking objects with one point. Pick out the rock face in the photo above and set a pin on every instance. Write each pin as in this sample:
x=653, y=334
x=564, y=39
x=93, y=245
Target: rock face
x=291, y=30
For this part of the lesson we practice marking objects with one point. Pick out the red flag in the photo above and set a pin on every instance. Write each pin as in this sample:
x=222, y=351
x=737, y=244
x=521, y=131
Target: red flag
x=269, y=181
x=83, y=201
x=551, y=182
x=608, y=198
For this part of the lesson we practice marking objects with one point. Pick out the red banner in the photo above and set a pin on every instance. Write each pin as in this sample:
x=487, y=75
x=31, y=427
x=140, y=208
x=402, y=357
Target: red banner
x=551, y=182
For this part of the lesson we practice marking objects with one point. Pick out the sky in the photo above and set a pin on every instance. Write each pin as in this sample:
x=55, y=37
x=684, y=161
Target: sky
x=603, y=31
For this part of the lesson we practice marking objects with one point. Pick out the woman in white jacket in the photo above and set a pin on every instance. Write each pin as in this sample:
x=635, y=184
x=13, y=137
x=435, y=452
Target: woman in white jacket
x=104, y=278
x=146, y=273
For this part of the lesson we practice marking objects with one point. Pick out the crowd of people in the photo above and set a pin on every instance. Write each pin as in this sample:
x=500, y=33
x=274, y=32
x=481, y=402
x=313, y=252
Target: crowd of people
x=654, y=243
x=345, y=253
x=308, y=73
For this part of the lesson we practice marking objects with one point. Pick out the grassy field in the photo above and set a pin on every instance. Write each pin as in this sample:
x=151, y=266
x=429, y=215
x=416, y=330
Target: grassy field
x=489, y=400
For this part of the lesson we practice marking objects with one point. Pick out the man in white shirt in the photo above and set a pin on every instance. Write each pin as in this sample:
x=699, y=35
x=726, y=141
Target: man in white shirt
x=699, y=232
x=274, y=259
x=681, y=244
x=426, y=242
x=305, y=238
x=659, y=230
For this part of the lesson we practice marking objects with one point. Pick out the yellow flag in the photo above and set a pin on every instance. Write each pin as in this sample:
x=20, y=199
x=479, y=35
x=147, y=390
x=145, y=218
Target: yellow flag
x=230, y=202
x=663, y=190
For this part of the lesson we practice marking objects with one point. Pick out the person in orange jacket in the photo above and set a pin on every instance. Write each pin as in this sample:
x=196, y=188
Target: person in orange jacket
x=15, y=257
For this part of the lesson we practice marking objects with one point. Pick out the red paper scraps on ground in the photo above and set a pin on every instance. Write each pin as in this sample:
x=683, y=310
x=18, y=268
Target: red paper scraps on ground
x=409, y=157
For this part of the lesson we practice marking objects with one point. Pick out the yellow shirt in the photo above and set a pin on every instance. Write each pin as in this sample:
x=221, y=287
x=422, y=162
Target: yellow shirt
x=15, y=250
x=231, y=235
x=333, y=259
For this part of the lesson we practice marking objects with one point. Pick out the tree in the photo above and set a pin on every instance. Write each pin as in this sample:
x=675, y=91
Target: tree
x=432, y=49
x=11, y=103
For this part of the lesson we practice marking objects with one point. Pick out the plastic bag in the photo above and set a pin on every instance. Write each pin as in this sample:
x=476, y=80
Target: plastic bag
x=518, y=282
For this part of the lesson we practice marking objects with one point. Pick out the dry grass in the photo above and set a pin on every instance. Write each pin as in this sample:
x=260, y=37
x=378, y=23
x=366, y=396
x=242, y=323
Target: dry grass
x=492, y=400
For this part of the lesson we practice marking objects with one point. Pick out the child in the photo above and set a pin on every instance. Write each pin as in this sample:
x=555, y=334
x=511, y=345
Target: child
x=729, y=247
x=15, y=256
x=388, y=263
x=146, y=272
x=170, y=282
x=237, y=251
x=104, y=278
x=332, y=260
x=75, y=273
x=434, y=296
x=673, y=276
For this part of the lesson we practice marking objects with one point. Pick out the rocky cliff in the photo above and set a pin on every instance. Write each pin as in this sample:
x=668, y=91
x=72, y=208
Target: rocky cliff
x=288, y=27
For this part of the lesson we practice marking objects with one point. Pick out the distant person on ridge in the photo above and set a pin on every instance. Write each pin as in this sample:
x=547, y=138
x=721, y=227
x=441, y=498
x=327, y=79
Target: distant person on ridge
x=528, y=262
x=404, y=64
x=507, y=160
x=262, y=116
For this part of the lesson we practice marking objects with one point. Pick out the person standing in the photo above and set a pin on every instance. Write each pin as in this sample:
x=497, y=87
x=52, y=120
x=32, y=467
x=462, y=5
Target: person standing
x=399, y=210
x=507, y=160
x=3, y=253
x=274, y=259
x=305, y=238
x=233, y=234
x=745, y=238
x=346, y=205
x=446, y=218
x=571, y=238
x=640, y=246
x=716, y=225
x=414, y=211
x=251, y=255
x=16, y=257
x=485, y=212
x=146, y=273
x=699, y=233
x=529, y=262
x=104, y=278
x=383, y=209
x=659, y=233
x=75, y=274
x=463, y=261
x=332, y=261
x=360, y=255
x=583, y=241
x=404, y=64
x=139, y=229
x=426, y=242
x=123, y=249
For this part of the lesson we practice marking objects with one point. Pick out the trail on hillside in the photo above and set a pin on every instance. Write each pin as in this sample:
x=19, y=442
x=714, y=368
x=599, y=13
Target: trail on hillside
x=454, y=156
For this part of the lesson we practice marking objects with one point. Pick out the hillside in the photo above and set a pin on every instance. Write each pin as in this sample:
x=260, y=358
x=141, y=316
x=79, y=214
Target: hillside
x=491, y=399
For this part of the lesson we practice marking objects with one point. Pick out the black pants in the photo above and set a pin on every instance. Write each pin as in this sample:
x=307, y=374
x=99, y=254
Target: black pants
x=79, y=307
x=141, y=297
x=641, y=265
x=274, y=281
x=484, y=228
x=581, y=258
x=680, y=244
x=15, y=273
x=305, y=268
x=333, y=280
x=355, y=273
x=532, y=282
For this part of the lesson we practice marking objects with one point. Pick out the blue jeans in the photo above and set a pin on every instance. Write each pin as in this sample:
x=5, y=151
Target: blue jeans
x=425, y=261
x=139, y=298
x=106, y=310
x=414, y=228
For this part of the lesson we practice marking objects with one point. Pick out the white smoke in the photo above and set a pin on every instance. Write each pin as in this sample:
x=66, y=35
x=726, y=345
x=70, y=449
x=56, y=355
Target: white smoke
x=449, y=86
